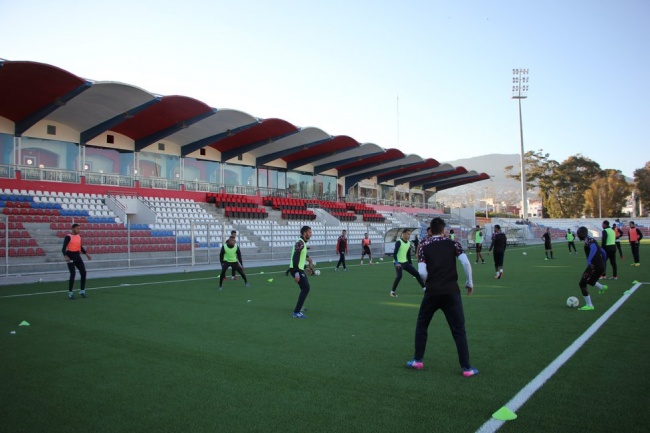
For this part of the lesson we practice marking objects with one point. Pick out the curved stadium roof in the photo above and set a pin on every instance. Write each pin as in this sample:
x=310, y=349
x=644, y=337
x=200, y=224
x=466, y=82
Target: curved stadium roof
x=33, y=91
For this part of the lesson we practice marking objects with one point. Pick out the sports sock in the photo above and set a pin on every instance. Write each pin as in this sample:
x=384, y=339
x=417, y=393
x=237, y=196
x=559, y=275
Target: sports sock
x=588, y=300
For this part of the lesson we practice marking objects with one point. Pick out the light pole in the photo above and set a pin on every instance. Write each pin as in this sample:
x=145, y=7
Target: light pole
x=519, y=92
x=486, y=203
x=600, y=206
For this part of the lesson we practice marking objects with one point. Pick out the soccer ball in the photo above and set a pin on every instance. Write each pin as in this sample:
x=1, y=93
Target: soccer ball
x=381, y=259
x=317, y=272
x=40, y=280
x=572, y=302
x=524, y=253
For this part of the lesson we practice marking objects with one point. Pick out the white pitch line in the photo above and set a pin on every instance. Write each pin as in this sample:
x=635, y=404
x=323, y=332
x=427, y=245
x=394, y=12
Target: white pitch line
x=492, y=425
x=130, y=285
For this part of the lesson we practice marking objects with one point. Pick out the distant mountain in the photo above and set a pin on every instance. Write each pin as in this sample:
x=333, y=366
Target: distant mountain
x=500, y=188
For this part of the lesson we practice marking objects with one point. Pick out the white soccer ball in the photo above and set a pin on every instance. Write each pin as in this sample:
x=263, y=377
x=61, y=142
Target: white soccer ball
x=40, y=280
x=314, y=263
x=381, y=259
x=317, y=272
x=524, y=253
x=572, y=302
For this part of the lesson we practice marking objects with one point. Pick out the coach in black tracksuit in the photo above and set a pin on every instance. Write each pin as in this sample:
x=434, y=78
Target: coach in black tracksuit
x=499, y=241
x=438, y=269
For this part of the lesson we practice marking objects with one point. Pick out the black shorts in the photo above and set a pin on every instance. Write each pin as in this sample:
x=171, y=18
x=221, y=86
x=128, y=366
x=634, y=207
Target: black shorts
x=479, y=248
x=591, y=275
x=366, y=250
x=547, y=246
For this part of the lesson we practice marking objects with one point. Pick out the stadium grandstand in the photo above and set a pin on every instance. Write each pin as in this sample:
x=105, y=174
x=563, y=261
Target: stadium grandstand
x=158, y=180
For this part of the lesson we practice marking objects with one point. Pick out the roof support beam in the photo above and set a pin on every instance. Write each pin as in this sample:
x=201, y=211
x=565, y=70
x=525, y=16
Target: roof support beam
x=32, y=119
x=160, y=135
x=440, y=171
x=285, y=152
x=304, y=161
x=439, y=178
x=199, y=144
x=240, y=150
x=334, y=164
x=388, y=176
x=451, y=180
x=96, y=130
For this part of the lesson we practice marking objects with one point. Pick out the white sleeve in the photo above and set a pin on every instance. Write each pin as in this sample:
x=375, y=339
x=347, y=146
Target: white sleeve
x=422, y=270
x=467, y=266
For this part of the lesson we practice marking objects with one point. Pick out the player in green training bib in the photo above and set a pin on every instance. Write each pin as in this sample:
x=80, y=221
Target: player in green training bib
x=402, y=259
x=298, y=260
x=230, y=257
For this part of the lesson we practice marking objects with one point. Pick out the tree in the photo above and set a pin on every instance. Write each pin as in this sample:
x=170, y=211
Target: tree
x=539, y=168
x=642, y=181
x=607, y=195
x=567, y=185
x=560, y=186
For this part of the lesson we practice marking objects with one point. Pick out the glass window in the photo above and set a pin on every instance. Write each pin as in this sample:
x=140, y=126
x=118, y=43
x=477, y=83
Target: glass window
x=108, y=161
x=202, y=171
x=387, y=192
x=158, y=165
x=36, y=152
x=6, y=149
x=300, y=184
x=325, y=187
x=239, y=175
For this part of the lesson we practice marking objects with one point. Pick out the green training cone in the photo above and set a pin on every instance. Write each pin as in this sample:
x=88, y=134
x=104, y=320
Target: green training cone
x=262, y=272
x=504, y=414
x=635, y=282
x=270, y=280
x=627, y=292
x=24, y=323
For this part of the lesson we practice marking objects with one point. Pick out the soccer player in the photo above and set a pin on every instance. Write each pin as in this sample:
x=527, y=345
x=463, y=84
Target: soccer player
x=608, y=243
x=365, y=248
x=230, y=257
x=402, y=260
x=438, y=268
x=595, y=267
x=298, y=260
x=635, y=236
x=452, y=235
x=233, y=235
x=570, y=240
x=309, y=269
x=342, y=250
x=619, y=235
x=499, y=241
x=72, y=251
x=478, y=237
x=547, y=243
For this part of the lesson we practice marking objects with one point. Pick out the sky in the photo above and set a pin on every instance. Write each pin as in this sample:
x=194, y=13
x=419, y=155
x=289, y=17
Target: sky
x=431, y=78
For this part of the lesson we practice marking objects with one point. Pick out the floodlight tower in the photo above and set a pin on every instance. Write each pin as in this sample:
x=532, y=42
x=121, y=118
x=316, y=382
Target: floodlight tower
x=519, y=92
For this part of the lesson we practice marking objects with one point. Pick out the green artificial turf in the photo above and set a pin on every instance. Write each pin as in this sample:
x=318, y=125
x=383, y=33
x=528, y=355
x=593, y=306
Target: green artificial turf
x=170, y=353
